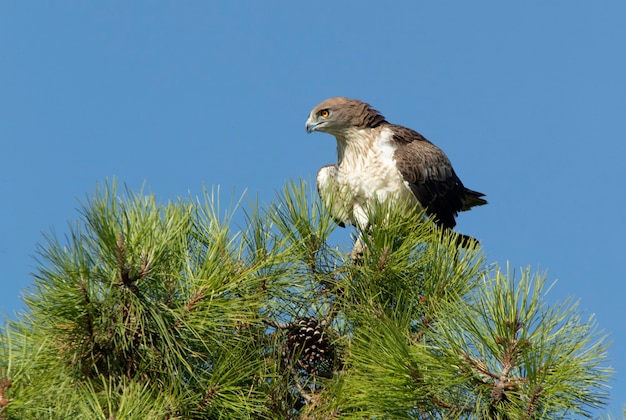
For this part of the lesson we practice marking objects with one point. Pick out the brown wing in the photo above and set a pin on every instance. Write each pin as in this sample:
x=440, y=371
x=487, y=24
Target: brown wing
x=432, y=179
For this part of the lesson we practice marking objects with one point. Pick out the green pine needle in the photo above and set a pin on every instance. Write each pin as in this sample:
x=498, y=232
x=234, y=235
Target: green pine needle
x=189, y=309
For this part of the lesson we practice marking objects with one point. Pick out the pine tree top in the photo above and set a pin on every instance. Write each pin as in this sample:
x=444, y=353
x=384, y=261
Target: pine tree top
x=185, y=310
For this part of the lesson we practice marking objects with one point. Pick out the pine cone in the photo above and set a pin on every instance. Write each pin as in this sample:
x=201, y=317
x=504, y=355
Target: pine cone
x=307, y=339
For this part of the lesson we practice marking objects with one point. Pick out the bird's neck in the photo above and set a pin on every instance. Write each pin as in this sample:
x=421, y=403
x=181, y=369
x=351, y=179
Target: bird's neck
x=341, y=148
x=351, y=146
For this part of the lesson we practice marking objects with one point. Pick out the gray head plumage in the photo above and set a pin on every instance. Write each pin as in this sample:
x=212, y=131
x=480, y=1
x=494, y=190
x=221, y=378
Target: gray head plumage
x=335, y=115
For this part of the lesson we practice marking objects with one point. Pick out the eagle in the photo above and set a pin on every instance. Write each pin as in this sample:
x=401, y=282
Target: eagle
x=382, y=162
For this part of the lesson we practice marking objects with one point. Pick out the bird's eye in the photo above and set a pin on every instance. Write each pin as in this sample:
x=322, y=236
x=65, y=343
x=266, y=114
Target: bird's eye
x=324, y=113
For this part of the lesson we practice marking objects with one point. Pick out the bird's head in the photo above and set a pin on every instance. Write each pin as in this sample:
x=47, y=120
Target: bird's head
x=338, y=115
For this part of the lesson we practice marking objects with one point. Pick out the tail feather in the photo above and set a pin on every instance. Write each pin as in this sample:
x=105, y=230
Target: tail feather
x=473, y=199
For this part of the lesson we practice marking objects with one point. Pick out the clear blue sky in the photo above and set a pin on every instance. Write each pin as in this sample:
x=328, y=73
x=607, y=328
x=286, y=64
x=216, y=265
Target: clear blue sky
x=528, y=99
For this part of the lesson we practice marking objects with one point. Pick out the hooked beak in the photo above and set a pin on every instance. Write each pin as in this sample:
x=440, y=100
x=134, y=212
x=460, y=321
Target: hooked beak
x=311, y=126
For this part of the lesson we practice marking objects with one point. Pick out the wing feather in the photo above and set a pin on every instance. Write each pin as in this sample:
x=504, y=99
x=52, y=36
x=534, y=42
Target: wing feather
x=430, y=175
x=327, y=189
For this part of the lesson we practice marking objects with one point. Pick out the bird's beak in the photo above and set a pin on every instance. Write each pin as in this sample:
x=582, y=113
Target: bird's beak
x=310, y=125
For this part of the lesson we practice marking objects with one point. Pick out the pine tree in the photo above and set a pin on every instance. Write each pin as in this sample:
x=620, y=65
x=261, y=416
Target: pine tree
x=162, y=311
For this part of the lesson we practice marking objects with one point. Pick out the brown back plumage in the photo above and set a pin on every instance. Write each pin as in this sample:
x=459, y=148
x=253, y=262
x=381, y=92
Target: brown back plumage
x=430, y=175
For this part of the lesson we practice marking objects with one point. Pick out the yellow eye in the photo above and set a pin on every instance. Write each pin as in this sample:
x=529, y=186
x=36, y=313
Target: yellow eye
x=324, y=113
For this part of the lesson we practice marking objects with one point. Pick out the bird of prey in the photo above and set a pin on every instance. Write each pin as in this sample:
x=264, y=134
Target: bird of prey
x=382, y=162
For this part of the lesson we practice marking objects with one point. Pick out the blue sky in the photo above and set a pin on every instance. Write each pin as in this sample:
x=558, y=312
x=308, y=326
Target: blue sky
x=528, y=100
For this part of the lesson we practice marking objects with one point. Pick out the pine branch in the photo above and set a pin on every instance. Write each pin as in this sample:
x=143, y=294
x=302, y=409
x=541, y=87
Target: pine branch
x=5, y=384
x=276, y=321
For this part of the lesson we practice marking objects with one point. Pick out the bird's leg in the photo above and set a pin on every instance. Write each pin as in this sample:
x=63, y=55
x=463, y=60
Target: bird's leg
x=357, y=250
x=359, y=244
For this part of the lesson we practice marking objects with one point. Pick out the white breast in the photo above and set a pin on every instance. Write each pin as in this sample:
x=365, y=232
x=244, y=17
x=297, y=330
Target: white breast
x=366, y=173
